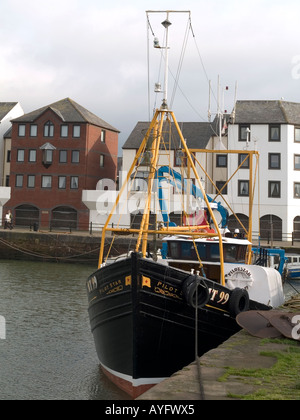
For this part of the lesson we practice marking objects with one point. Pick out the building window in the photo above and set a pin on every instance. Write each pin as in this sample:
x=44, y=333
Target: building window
x=21, y=130
x=46, y=181
x=103, y=135
x=221, y=161
x=32, y=156
x=74, y=182
x=7, y=178
x=297, y=134
x=8, y=156
x=64, y=131
x=244, y=132
x=243, y=188
x=63, y=156
x=31, y=181
x=297, y=190
x=180, y=158
x=274, y=133
x=19, y=181
x=75, y=156
x=49, y=129
x=33, y=130
x=62, y=182
x=242, y=157
x=76, y=131
x=220, y=185
x=274, y=161
x=297, y=162
x=274, y=189
x=102, y=161
x=47, y=157
x=21, y=155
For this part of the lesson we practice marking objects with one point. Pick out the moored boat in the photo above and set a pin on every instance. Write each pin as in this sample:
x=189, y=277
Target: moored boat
x=152, y=316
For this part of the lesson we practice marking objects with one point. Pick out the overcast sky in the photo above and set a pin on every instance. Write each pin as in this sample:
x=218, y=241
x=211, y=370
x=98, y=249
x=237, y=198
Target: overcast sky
x=95, y=52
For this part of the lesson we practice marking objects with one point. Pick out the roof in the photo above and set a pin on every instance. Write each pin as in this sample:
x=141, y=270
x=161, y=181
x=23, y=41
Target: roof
x=196, y=134
x=267, y=112
x=70, y=112
x=5, y=108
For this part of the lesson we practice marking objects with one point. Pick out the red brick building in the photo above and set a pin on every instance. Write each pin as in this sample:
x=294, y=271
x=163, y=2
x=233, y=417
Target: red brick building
x=56, y=152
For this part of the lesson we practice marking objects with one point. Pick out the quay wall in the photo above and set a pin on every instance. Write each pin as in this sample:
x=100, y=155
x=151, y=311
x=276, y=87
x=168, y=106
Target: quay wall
x=56, y=247
x=79, y=247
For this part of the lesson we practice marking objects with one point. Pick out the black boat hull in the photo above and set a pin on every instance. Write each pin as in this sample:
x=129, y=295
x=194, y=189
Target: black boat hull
x=143, y=326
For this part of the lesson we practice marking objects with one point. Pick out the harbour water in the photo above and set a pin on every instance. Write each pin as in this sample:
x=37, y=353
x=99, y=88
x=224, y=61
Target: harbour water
x=48, y=351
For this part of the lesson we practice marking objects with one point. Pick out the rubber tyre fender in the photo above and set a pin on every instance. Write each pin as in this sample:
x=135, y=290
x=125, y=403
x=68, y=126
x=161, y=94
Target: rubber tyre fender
x=239, y=301
x=189, y=290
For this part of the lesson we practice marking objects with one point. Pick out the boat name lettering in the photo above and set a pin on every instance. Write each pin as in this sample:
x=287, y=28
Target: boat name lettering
x=219, y=296
x=166, y=292
x=92, y=284
x=164, y=286
x=112, y=287
x=239, y=270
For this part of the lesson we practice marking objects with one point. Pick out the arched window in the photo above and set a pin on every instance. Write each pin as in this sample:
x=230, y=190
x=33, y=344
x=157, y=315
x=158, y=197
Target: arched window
x=297, y=228
x=64, y=217
x=49, y=129
x=233, y=223
x=271, y=227
x=26, y=215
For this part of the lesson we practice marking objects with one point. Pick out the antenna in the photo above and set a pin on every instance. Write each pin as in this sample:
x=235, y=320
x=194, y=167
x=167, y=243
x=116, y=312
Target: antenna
x=166, y=24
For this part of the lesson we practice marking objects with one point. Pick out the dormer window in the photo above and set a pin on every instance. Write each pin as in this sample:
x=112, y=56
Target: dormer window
x=49, y=129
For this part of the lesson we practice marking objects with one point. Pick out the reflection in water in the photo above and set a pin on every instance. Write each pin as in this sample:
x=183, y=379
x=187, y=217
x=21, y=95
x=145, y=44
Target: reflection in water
x=49, y=351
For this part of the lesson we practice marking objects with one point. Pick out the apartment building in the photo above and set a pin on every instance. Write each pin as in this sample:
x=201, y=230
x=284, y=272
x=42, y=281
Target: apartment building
x=58, y=151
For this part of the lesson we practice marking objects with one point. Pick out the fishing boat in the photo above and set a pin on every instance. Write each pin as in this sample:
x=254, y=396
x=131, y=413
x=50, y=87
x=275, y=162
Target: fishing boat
x=152, y=315
x=292, y=269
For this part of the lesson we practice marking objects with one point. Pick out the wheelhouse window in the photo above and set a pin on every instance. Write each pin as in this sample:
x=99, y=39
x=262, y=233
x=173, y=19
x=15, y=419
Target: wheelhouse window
x=274, y=189
x=208, y=252
x=274, y=133
x=49, y=129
